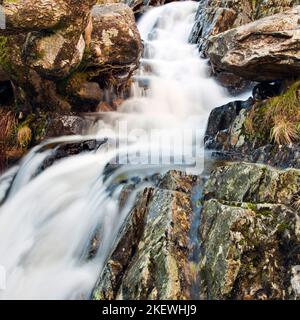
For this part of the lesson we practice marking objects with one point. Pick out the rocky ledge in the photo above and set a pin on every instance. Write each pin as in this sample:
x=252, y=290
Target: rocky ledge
x=250, y=233
x=263, y=129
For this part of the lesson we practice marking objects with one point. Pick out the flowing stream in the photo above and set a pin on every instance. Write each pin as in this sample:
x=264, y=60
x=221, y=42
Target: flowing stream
x=48, y=218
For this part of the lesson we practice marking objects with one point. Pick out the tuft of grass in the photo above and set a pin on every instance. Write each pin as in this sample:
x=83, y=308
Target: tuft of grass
x=24, y=136
x=284, y=131
x=276, y=119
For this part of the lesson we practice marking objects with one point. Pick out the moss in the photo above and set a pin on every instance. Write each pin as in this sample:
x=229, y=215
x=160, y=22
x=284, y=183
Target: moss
x=282, y=227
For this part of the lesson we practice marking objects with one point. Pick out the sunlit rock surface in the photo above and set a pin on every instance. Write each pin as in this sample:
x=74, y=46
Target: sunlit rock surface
x=151, y=258
x=250, y=233
x=217, y=16
x=265, y=50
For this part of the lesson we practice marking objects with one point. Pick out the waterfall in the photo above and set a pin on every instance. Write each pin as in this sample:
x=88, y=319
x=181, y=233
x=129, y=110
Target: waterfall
x=51, y=216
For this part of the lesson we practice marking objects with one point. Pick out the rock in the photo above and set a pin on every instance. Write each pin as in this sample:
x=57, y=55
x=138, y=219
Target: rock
x=115, y=41
x=104, y=107
x=263, y=91
x=90, y=91
x=220, y=120
x=250, y=233
x=211, y=20
x=150, y=258
x=64, y=125
x=232, y=82
x=265, y=50
x=3, y=75
x=6, y=93
x=56, y=55
x=217, y=16
x=139, y=6
x=66, y=149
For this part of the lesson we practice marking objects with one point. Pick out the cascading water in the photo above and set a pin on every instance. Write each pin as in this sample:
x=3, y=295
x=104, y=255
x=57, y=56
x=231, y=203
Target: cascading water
x=49, y=218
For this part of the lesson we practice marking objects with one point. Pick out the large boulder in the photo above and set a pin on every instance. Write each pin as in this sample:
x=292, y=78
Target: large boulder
x=216, y=16
x=250, y=234
x=265, y=50
x=37, y=15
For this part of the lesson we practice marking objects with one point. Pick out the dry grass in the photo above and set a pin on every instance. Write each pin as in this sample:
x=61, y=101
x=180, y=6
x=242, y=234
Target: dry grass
x=296, y=203
x=284, y=131
x=24, y=136
x=277, y=119
x=8, y=125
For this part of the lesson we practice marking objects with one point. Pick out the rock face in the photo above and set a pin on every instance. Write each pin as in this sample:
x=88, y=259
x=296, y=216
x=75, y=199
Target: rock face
x=59, y=56
x=250, y=233
x=265, y=50
x=151, y=257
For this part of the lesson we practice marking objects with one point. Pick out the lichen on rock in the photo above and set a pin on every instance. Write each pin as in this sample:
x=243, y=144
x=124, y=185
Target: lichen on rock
x=248, y=228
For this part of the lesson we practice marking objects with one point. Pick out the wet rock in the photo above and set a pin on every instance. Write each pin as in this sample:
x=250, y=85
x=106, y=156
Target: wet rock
x=250, y=233
x=64, y=125
x=140, y=6
x=264, y=50
x=267, y=90
x=104, y=107
x=232, y=82
x=150, y=259
x=66, y=149
x=90, y=92
x=220, y=120
x=211, y=20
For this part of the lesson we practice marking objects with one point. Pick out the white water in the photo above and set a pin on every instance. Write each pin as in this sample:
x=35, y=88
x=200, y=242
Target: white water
x=48, y=220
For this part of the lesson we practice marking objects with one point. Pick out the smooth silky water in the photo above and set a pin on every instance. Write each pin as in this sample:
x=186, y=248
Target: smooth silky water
x=48, y=218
